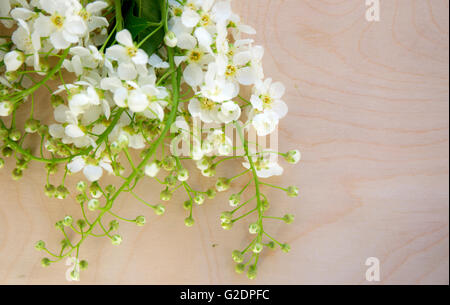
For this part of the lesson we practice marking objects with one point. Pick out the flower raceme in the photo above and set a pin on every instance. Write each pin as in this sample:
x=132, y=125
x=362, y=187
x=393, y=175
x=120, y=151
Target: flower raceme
x=130, y=91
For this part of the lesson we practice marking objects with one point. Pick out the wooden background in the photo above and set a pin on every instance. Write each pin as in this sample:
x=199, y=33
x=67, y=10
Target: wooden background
x=368, y=109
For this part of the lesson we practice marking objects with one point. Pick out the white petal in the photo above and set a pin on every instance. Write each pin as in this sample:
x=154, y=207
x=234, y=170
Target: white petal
x=186, y=41
x=96, y=7
x=221, y=11
x=110, y=83
x=74, y=131
x=193, y=75
x=117, y=52
x=120, y=97
x=137, y=101
x=157, y=62
x=92, y=172
x=203, y=37
x=58, y=41
x=56, y=131
x=124, y=37
x=280, y=108
x=190, y=18
x=127, y=71
x=141, y=58
x=76, y=165
x=277, y=90
x=246, y=76
x=60, y=113
x=43, y=26
x=256, y=102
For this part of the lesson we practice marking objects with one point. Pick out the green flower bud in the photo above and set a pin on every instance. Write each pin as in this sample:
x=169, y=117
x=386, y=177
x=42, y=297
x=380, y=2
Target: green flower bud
x=160, y=210
x=81, y=198
x=187, y=205
x=239, y=268
x=31, y=125
x=62, y=192
x=170, y=180
x=227, y=225
x=7, y=151
x=110, y=188
x=17, y=174
x=252, y=272
x=189, y=221
x=22, y=164
x=271, y=245
x=140, y=221
x=64, y=243
x=234, y=200
x=169, y=163
x=292, y=191
x=59, y=225
x=116, y=240
x=204, y=163
x=40, y=245
x=56, y=100
x=81, y=186
x=222, y=184
x=257, y=247
x=50, y=190
x=94, y=190
x=81, y=223
x=209, y=172
x=51, y=168
x=265, y=205
x=15, y=135
x=199, y=199
x=2, y=163
x=288, y=218
x=254, y=228
x=237, y=256
x=67, y=221
x=285, y=248
x=45, y=262
x=183, y=175
x=43, y=130
x=93, y=204
x=226, y=217
x=83, y=265
x=3, y=133
x=211, y=193
x=293, y=156
x=114, y=225
x=165, y=195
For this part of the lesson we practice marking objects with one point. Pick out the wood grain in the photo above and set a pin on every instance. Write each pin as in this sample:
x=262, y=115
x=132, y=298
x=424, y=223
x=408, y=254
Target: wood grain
x=368, y=109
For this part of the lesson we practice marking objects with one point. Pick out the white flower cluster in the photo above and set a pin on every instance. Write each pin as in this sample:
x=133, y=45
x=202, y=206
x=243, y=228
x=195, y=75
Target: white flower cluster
x=219, y=62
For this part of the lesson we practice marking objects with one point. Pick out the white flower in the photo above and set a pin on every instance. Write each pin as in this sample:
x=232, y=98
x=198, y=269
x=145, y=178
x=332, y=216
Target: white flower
x=265, y=167
x=265, y=123
x=14, y=60
x=64, y=27
x=217, y=88
x=218, y=142
x=229, y=112
x=127, y=55
x=93, y=170
x=204, y=108
x=268, y=96
x=83, y=59
x=133, y=97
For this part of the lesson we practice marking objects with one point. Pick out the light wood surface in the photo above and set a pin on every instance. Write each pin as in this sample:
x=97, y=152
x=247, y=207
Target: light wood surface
x=369, y=111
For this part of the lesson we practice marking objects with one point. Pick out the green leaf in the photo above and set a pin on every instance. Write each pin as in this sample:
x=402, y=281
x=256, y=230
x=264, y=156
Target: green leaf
x=140, y=19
